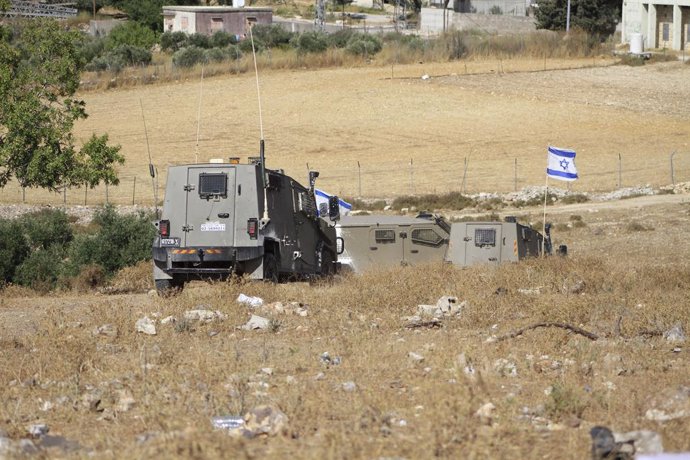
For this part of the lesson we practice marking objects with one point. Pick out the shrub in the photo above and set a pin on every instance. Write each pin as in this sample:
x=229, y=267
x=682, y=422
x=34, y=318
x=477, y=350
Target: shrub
x=46, y=228
x=108, y=62
x=119, y=242
x=89, y=277
x=189, y=57
x=199, y=40
x=272, y=35
x=575, y=198
x=221, y=39
x=132, y=55
x=13, y=249
x=565, y=401
x=364, y=45
x=173, y=41
x=632, y=60
x=454, y=44
x=131, y=34
x=41, y=269
x=91, y=48
x=246, y=46
x=340, y=38
x=310, y=42
x=495, y=10
x=215, y=55
x=233, y=52
x=451, y=200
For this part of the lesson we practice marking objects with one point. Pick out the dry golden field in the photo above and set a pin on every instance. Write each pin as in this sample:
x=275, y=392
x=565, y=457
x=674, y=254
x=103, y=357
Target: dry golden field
x=131, y=395
x=489, y=112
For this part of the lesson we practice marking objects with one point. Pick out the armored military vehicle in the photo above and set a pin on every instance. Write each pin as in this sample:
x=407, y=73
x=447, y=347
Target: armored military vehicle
x=381, y=240
x=391, y=240
x=222, y=218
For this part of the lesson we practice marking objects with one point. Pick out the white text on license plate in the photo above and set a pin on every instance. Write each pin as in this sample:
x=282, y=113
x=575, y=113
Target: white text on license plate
x=212, y=227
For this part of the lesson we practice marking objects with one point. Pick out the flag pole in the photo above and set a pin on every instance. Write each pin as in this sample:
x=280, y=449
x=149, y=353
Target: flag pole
x=543, y=239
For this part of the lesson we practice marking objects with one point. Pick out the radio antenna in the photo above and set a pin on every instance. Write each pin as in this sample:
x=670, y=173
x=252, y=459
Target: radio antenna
x=152, y=169
x=198, y=116
x=262, y=157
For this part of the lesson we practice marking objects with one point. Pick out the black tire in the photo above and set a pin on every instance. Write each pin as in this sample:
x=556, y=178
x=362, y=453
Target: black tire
x=270, y=268
x=168, y=288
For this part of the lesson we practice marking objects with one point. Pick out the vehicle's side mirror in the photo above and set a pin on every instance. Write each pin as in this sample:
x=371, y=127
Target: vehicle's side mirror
x=334, y=208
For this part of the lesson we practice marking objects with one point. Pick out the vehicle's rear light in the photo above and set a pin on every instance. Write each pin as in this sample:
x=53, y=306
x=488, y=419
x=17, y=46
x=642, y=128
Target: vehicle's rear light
x=252, y=227
x=164, y=228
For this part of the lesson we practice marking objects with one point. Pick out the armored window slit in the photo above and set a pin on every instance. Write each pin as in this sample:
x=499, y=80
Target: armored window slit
x=384, y=236
x=485, y=237
x=213, y=185
x=426, y=237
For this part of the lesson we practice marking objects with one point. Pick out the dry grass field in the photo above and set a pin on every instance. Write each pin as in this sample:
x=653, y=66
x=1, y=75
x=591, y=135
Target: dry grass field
x=75, y=362
x=131, y=395
x=489, y=112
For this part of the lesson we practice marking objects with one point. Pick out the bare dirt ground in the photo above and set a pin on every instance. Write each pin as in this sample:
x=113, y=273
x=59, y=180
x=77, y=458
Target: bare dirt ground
x=490, y=112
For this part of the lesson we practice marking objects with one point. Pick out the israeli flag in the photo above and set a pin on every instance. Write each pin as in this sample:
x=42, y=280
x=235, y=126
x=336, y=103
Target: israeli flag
x=322, y=204
x=561, y=164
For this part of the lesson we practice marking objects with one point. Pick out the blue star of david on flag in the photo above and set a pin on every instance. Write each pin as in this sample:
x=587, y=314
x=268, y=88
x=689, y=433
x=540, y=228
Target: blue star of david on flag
x=561, y=164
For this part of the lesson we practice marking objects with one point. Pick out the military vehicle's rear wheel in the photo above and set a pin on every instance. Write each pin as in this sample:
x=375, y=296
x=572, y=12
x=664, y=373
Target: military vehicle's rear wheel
x=270, y=268
x=167, y=288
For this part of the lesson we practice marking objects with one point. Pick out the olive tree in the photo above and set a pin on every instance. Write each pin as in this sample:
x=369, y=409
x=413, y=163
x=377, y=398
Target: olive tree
x=40, y=66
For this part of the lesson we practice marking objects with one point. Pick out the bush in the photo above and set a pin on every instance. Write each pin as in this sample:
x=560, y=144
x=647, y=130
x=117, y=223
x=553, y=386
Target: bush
x=199, y=40
x=364, y=45
x=131, y=55
x=272, y=35
x=233, y=52
x=46, y=228
x=13, y=249
x=340, y=38
x=131, y=34
x=189, y=57
x=432, y=202
x=215, y=55
x=310, y=42
x=108, y=62
x=495, y=10
x=42, y=269
x=246, y=46
x=91, y=48
x=173, y=41
x=119, y=242
x=454, y=43
x=575, y=198
x=221, y=39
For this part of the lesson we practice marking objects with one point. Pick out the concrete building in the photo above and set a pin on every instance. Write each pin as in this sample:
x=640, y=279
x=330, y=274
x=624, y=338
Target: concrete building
x=209, y=19
x=662, y=23
x=433, y=21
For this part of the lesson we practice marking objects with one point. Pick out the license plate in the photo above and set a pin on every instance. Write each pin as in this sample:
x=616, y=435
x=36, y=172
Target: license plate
x=170, y=242
x=212, y=227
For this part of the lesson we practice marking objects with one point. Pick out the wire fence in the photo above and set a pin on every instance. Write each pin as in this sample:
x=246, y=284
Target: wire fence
x=360, y=178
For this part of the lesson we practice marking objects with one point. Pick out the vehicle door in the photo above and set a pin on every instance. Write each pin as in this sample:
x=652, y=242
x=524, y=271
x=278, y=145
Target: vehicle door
x=483, y=243
x=209, y=206
x=424, y=244
x=385, y=245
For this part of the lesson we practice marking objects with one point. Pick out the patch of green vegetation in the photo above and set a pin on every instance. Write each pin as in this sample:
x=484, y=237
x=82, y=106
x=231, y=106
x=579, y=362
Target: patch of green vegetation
x=432, y=202
x=575, y=198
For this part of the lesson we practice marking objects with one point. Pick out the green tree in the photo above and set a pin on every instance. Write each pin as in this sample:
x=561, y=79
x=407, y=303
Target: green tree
x=40, y=65
x=596, y=17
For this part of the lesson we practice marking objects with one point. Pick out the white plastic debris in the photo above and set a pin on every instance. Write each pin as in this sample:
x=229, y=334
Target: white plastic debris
x=253, y=302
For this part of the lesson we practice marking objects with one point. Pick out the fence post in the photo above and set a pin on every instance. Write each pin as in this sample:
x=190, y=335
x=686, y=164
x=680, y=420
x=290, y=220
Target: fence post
x=673, y=179
x=359, y=176
x=86, y=193
x=24, y=193
x=134, y=189
x=64, y=195
x=106, y=193
x=620, y=167
x=411, y=177
x=464, y=176
x=515, y=176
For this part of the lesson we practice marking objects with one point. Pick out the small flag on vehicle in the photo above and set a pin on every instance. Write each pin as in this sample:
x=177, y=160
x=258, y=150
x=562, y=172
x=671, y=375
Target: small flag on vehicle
x=561, y=164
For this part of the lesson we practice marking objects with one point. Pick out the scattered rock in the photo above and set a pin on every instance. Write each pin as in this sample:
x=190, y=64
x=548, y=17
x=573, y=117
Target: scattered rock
x=203, y=315
x=125, y=401
x=253, y=302
x=573, y=287
x=106, y=330
x=670, y=404
x=644, y=441
x=415, y=357
x=320, y=376
x=267, y=370
x=146, y=326
x=38, y=429
x=265, y=420
x=503, y=367
x=349, y=386
x=169, y=320
x=326, y=359
x=291, y=308
x=675, y=334
x=91, y=401
x=426, y=77
x=256, y=322
x=445, y=306
x=531, y=291
x=485, y=413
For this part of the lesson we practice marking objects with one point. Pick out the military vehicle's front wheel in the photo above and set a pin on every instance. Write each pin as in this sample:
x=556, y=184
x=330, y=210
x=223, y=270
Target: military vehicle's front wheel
x=327, y=266
x=270, y=268
x=167, y=288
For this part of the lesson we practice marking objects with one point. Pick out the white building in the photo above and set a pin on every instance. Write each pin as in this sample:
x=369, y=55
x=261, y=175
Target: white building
x=662, y=23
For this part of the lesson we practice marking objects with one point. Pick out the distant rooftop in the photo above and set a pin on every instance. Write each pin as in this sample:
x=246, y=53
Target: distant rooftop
x=212, y=9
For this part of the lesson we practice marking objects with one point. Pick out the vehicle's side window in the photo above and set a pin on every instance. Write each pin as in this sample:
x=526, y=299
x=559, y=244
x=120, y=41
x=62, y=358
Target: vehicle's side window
x=384, y=236
x=426, y=237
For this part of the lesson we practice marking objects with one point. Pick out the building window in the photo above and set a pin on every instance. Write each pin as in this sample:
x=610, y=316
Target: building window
x=216, y=24
x=666, y=32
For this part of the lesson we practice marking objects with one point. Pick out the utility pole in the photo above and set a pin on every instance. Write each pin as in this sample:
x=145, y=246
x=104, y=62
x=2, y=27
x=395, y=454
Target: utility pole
x=319, y=17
